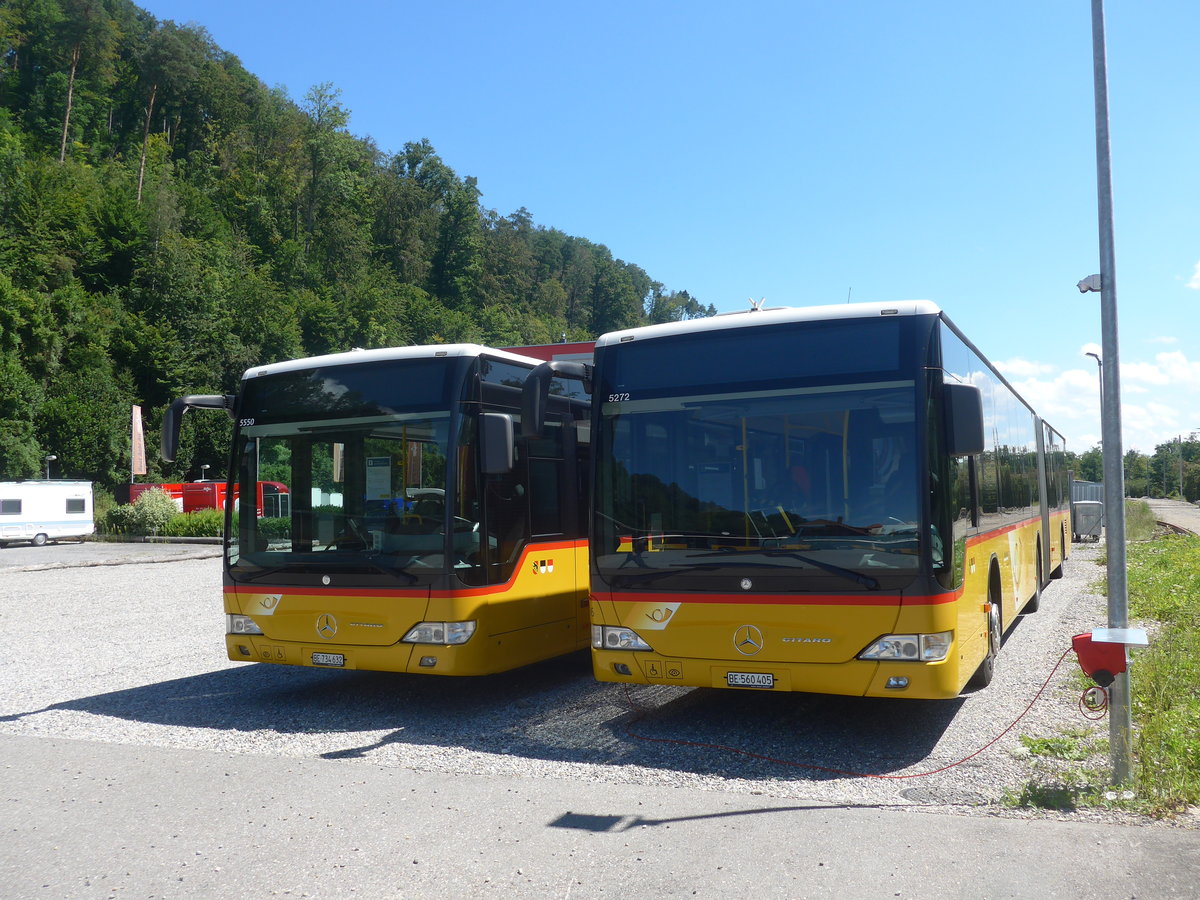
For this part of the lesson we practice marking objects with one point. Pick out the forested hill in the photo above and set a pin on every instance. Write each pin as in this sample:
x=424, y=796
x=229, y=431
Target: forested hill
x=166, y=221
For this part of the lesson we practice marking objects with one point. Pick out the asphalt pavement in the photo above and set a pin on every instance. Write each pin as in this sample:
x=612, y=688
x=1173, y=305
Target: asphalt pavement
x=88, y=820
x=94, y=805
x=1177, y=513
x=73, y=554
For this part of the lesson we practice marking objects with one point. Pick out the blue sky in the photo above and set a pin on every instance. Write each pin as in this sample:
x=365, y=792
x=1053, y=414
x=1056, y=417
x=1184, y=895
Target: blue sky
x=807, y=152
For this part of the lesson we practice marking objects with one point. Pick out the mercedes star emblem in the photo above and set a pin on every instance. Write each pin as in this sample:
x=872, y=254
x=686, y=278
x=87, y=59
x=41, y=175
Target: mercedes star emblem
x=748, y=640
x=326, y=626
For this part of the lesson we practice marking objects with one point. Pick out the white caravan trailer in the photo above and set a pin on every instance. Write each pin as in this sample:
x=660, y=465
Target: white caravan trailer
x=40, y=511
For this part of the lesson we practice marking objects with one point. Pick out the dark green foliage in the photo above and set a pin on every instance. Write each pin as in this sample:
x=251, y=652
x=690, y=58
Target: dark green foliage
x=201, y=523
x=166, y=222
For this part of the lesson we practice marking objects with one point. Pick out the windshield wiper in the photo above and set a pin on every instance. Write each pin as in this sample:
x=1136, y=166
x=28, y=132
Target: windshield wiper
x=641, y=577
x=266, y=571
x=385, y=570
x=865, y=580
x=304, y=566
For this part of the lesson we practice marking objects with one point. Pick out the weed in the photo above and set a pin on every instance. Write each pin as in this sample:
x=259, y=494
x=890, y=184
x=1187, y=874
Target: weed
x=1057, y=747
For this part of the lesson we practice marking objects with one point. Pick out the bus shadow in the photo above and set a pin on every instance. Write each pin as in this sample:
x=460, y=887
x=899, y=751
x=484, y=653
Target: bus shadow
x=784, y=736
x=551, y=711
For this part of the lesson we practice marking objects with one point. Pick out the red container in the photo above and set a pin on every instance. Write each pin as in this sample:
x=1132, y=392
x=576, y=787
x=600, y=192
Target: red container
x=1101, y=661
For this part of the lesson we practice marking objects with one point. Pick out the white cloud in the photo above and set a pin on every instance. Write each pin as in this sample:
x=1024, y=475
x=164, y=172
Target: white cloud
x=1165, y=339
x=1148, y=373
x=1180, y=370
x=1160, y=400
x=1194, y=284
x=1023, y=368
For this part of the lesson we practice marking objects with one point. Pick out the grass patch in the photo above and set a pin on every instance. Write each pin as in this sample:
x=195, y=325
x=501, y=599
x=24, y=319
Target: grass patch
x=1164, y=586
x=1139, y=521
x=1065, y=791
x=1061, y=747
x=1069, y=771
x=1163, y=578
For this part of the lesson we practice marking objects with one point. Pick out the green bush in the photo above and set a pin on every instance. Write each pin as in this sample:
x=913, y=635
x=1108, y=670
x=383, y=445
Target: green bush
x=118, y=520
x=201, y=523
x=153, y=510
x=103, y=502
x=149, y=515
x=275, y=527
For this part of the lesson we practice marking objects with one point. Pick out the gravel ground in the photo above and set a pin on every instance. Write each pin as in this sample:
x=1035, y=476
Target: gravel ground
x=134, y=654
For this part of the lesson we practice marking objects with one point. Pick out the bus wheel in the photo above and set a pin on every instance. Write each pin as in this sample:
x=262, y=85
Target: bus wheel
x=987, y=669
x=39, y=540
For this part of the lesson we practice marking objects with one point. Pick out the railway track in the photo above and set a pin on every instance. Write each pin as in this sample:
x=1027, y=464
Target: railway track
x=1177, y=529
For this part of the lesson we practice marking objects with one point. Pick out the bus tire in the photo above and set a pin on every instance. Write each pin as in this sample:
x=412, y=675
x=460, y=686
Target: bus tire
x=39, y=540
x=987, y=669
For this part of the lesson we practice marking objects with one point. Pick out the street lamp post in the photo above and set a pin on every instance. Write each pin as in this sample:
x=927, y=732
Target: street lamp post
x=1120, y=725
x=47, y=460
x=1181, y=497
x=204, y=467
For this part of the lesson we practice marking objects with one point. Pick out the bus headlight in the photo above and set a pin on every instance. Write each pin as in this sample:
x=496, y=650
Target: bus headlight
x=910, y=647
x=610, y=637
x=241, y=625
x=440, y=633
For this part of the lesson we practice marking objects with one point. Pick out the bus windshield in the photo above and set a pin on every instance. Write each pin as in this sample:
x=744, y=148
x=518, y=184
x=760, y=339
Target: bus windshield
x=812, y=485
x=369, y=482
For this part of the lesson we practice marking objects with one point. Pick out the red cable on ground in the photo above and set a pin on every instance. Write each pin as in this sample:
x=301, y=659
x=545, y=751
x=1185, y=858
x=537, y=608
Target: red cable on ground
x=641, y=712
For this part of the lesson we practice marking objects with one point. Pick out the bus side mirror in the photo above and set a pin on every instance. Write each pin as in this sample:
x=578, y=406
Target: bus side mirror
x=964, y=419
x=174, y=416
x=496, y=438
x=537, y=391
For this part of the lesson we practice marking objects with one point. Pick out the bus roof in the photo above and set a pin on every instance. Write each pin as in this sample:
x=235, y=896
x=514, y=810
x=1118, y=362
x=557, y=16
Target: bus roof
x=776, y=316
x=351, y=357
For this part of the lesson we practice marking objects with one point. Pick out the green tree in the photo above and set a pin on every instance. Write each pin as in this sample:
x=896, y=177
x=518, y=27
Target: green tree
x=1137, y=474
x=456, y=267
x=167, y=221
x=1091, y=465
x=20, y=398
x=89, y=35
x=169, y=65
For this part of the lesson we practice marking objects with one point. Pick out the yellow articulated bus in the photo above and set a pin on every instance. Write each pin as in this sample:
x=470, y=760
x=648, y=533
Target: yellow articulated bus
x=845, y=500
x=422, y=534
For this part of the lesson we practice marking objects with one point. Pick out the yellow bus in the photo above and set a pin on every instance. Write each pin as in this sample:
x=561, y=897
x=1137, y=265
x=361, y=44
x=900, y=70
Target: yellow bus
x=421, y=534
x=844, y=500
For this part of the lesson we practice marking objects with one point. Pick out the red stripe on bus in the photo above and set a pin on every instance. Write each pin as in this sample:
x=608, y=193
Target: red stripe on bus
x=786, y=599
x=404, y=593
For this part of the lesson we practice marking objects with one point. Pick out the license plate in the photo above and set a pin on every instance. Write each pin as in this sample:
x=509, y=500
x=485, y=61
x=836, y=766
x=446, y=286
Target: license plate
x=329, y=659
x=750, y=679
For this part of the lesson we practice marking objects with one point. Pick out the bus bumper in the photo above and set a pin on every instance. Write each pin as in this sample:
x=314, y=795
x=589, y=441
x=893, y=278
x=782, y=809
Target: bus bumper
x=856, y=678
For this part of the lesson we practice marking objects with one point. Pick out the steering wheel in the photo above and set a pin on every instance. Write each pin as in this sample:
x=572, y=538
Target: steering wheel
x=353, y=534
